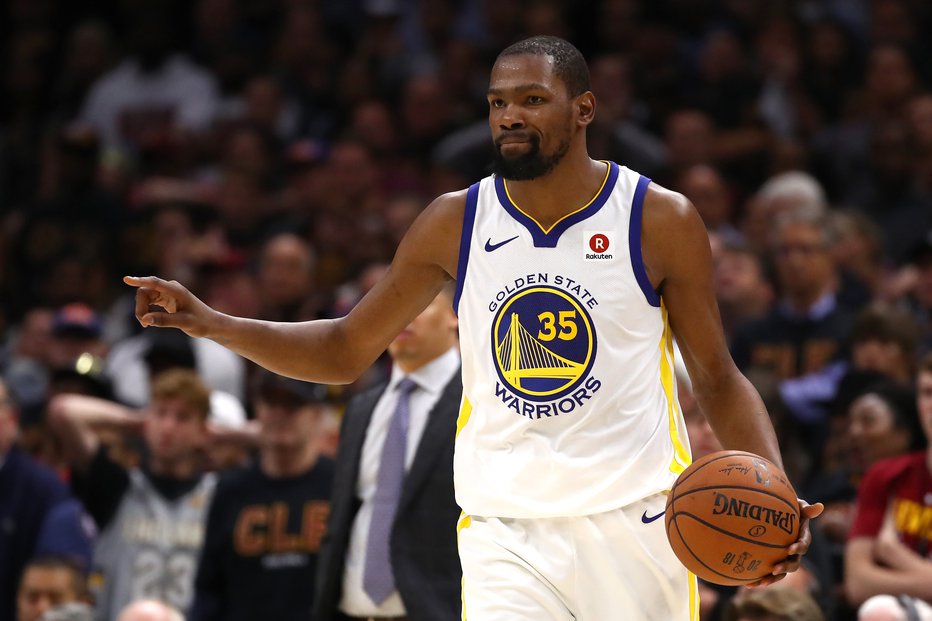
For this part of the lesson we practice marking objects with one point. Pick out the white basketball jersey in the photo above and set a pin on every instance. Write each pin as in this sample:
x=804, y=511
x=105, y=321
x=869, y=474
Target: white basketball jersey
x=569, y=397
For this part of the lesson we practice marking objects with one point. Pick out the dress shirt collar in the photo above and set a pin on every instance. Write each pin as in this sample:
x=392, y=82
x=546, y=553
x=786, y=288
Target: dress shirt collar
x=821, y=309
x=433, y=376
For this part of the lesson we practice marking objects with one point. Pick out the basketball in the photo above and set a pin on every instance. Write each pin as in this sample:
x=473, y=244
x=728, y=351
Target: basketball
x=730, y=517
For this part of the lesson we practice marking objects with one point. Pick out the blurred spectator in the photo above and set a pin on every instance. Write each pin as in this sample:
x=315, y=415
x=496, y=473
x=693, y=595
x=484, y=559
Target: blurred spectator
x=833, y=67
x=777, y=603
x=885, y=340
x=859, y=254
x=888, y=553
x=135, y=360
x=712, y=197
x=918, y=294
x=883, y=343
x=70, y=612
x=783, y=192
x=39, y=516
x=285, y=278
x=267, y=106
x=49, y=582
x=689, y=136
x=807, y=328
x=742, y=289
x=880, y=423
x=889, y=190
x=265, y=522
x=72, y=219
x=150, y=610
x=616, y=133
x=76, y=329
x=425, y=115
x=88, y=54
x=26, y=361
x=151, y=518
x=154, y=93
x=920, y=128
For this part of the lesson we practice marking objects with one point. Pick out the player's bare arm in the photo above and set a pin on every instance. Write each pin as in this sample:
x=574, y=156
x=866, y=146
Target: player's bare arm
x=679, y=263
x=335, y=350
x=678, y=260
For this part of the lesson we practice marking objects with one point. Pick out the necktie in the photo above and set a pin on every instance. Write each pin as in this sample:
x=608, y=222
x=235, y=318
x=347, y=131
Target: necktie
x=378, y=580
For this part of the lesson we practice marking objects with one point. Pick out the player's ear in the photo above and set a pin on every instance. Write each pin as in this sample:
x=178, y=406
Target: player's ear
x=585, y=108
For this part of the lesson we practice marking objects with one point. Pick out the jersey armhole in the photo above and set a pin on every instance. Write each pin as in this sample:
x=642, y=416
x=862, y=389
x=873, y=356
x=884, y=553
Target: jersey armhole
x=469, y=220
x=634, y=242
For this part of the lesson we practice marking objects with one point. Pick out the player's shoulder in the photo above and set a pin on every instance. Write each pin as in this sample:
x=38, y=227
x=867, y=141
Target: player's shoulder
x=435, y=234
x=448, y=205
x=663, y=205
x=673, y=235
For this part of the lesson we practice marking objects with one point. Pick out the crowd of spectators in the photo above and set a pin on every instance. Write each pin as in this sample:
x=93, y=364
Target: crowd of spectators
x=270, y=154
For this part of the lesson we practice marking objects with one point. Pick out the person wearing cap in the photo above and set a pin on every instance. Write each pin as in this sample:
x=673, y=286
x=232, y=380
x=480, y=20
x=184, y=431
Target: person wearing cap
x=76, y=329
x=409, y=569
x=265, y=523
x=151, y=517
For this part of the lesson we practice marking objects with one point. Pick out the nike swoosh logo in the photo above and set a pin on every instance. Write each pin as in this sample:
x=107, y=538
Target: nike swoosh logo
x=648, y=520
x=489, y=246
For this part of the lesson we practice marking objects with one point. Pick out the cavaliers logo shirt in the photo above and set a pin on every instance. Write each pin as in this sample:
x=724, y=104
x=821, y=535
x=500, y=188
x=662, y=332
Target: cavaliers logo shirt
x=569, y=398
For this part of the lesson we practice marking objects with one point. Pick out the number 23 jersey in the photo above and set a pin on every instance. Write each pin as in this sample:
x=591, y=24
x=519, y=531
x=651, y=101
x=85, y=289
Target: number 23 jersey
x=569, y=397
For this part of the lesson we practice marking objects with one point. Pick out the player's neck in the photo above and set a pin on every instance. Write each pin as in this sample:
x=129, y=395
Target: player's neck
x=572, y=183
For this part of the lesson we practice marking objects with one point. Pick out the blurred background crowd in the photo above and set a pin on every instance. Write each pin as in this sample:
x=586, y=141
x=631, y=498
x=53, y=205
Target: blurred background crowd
x=270, y=154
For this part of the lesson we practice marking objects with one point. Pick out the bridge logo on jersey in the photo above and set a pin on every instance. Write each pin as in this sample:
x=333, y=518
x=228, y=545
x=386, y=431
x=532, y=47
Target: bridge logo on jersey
x=543, y=345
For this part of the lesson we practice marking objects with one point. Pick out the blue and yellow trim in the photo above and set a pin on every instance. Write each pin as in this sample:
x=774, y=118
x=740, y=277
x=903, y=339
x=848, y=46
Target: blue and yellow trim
x=463, y=417
x=681, y=455
x=463, y=523
x=548, y=238
x=634, y=242
x=469, y=221
x=693, y=597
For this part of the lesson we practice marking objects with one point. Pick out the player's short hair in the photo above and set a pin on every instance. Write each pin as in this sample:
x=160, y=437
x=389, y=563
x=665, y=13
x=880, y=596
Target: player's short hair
x=183, y=384
x=568, y=62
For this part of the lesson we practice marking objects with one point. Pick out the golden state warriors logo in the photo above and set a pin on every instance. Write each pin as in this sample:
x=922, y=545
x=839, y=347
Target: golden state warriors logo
x=544, y=345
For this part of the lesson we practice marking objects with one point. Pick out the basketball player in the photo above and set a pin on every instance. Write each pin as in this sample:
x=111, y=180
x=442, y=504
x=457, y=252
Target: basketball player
x=572, y=276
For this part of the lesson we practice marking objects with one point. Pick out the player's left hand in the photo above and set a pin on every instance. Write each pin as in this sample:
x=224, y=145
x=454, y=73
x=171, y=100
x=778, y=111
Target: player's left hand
x=796, y=550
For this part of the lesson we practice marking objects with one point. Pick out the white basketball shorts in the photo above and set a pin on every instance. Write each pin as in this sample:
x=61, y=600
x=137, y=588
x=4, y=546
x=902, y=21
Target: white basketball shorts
x=612, y=566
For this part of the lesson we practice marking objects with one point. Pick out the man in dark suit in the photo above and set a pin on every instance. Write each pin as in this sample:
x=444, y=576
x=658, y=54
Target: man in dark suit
x=390, y=548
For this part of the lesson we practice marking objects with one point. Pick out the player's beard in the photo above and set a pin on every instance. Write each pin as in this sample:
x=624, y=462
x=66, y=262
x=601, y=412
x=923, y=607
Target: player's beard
x=530, y=165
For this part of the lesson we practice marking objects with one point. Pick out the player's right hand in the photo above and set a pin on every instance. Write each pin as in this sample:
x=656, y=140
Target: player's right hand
x=168, y=304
